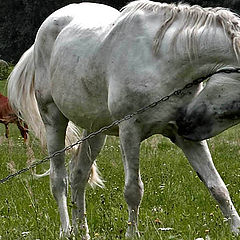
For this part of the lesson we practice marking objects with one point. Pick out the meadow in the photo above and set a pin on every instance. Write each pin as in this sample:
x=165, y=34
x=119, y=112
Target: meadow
x=176, y=205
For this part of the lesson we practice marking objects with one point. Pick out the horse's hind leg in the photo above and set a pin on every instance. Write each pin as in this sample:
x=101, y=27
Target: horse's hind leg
x=80, y=169
x=56, y=124
x=22, y=130
x=133, y=191
x=200, y=158
x=6, y=130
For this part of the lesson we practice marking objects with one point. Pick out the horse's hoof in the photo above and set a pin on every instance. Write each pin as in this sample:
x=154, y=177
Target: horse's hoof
x=130, y=235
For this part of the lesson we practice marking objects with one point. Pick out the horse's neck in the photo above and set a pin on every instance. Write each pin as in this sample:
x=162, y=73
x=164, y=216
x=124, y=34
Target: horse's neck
x=188, y=41
x=205, y=52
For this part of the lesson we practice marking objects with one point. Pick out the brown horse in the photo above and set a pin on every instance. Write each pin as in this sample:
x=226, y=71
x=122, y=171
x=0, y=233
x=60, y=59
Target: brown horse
x=8, y=116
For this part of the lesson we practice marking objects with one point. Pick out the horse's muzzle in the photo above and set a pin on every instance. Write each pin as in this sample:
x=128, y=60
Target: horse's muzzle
x=194, y=125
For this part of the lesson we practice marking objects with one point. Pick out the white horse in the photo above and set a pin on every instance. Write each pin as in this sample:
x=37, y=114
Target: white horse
x=92, y=64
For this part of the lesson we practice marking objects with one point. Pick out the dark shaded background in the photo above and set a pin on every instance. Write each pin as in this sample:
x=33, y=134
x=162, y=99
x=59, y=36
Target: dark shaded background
x=20, y=20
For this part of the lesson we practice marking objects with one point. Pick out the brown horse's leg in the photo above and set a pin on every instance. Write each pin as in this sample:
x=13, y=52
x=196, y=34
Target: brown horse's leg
x=25, y=127
x=23, y=130
x=7, y=131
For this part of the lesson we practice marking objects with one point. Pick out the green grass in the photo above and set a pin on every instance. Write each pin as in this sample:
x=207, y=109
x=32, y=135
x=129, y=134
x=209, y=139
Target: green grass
x=174, y=196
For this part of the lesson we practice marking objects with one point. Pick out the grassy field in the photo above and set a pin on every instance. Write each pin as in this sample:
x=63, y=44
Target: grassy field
x=174, y=196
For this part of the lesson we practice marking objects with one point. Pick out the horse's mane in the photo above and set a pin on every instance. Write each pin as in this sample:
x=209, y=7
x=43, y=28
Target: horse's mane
x=195, y=17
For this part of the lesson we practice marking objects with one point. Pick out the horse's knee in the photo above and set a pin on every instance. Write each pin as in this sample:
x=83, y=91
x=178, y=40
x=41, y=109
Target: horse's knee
x=133, y=193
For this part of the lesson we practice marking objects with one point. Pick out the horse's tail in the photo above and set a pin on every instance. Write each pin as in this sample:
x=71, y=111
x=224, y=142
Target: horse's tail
x=21, y=94
x=94, y=178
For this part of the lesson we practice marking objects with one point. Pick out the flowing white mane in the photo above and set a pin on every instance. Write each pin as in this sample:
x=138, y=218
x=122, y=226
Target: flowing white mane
x=195, y=17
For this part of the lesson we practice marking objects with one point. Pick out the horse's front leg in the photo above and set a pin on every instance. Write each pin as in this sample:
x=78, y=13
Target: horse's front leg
x=80, y=169
x=133, y=191
x=55, y=124
x=200, y=158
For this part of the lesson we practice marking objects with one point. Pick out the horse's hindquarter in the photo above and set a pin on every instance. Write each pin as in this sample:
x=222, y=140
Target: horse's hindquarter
x=77, y=81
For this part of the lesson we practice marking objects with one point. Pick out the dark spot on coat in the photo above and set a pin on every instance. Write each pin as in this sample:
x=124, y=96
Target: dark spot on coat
x=231, y=111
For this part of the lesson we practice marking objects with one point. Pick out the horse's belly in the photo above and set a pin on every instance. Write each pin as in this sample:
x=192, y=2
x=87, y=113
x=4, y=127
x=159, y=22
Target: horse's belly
x=91, y=121
x=88, y=117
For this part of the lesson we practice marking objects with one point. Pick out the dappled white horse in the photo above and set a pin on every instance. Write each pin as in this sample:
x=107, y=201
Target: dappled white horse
x=92, y=64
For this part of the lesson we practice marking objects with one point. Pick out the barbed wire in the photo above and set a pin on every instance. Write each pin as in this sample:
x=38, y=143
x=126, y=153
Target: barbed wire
x=117, y=122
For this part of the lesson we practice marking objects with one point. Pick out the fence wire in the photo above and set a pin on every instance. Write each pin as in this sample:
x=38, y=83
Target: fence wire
x=117, y=122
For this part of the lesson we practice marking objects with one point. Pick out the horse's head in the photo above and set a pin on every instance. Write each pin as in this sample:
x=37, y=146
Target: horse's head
x=214, y=110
